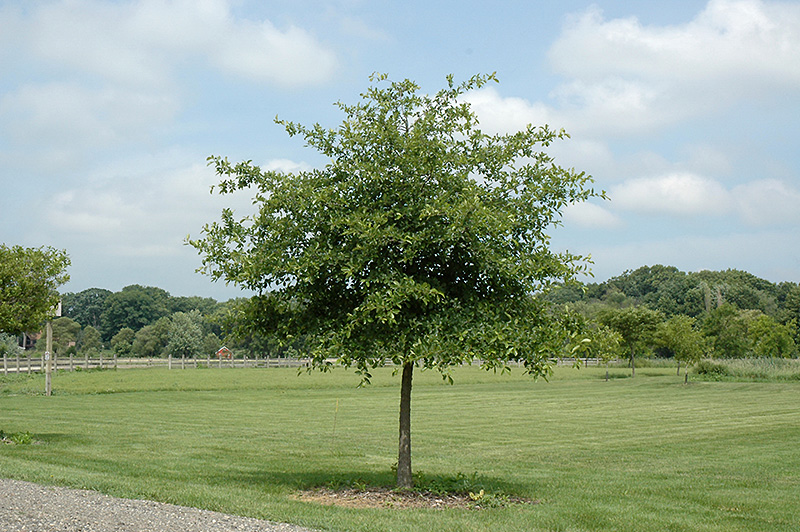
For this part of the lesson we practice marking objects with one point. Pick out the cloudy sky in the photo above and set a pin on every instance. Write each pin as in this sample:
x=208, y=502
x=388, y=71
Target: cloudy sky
x=686, y=112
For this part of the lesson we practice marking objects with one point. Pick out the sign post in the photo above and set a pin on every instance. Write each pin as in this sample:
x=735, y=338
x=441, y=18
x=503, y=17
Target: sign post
x=48, y=357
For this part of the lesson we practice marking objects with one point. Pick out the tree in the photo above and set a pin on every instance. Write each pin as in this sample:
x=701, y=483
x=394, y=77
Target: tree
x=9, y=345
x=185, y=334
x=726, y=327
x=90, y=340
x=151, y=340
x=122, y=342
x=29, y=278
x=635, y=325
x=65, y=334
x=134, y=307
x=86, y=307
x=772, y=339
x=419, y=243
x=679, y=336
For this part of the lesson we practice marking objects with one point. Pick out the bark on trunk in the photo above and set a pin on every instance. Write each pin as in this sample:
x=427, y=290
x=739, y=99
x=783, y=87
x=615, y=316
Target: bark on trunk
x=404, y=478
x=633, y=364
x=679, y=368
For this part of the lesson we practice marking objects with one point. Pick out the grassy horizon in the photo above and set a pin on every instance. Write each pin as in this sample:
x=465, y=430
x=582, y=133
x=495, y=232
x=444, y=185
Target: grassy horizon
x=631, y=454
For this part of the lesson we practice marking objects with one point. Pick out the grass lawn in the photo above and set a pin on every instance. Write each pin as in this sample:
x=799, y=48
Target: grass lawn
x=643, y=454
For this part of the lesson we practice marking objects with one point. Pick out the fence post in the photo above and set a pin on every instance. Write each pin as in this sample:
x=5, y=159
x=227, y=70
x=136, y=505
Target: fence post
x=169, y=361
x=115, y=361
x=29, y=364
x=71, y=367
x=183, y=361
x=5, y=363
x=101, y=360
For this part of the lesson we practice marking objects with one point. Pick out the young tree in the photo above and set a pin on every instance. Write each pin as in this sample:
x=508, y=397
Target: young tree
x=29, y=278
x=685, y=342
x=635, y=325
x=420, y=243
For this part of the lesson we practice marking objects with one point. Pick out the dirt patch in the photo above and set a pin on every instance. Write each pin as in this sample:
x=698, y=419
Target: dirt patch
x=388, y=498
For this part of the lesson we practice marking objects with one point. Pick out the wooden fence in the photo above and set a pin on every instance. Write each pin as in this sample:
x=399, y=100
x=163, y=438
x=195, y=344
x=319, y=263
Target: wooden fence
x=30, y=363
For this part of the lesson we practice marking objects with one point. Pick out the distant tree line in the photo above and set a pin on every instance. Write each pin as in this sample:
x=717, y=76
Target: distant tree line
x=651, y=311
x=662, y=311
x=146, y=321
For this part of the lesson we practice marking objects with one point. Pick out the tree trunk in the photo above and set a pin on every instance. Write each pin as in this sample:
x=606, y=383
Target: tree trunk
x=633, y=363
x=606, y=371
x=679, y=368
x=404, y=479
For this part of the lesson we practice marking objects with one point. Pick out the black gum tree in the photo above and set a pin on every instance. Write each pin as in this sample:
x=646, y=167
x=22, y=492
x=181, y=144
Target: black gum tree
x=421, y=243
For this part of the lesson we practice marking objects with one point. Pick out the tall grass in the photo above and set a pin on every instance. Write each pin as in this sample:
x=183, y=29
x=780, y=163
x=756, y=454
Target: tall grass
x=762, y=369
x=643, y=454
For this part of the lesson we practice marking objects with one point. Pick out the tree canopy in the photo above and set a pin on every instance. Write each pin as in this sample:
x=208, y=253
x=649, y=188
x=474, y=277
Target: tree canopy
x=420, y=242
x=29, y=278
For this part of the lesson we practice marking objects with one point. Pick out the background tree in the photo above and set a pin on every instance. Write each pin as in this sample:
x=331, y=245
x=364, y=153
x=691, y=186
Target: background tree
x=9, y=345
x=29, y=278
x=122, y=342
x=65, y=334
x=679, y=336
x=419, y=243
x=726, y=328
x=90, y=340
x=151, y=340
x=86, y=307
x=769, y=338
x=635, y=325
x=134, y=307
x=185, y=334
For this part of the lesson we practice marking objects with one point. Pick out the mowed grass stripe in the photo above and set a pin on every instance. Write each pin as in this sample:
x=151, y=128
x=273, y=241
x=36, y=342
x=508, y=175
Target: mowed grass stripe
x=630, y=454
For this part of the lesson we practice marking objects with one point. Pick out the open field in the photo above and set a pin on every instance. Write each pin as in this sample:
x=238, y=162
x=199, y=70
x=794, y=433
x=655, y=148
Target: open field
x=643, y=454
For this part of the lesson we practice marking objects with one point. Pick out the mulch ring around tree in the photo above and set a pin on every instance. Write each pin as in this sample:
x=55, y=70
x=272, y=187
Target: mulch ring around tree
x=389, y=498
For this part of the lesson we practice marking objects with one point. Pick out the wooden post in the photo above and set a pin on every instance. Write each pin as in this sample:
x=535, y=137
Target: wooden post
x=29, y=363
x=5, y=363
x=183, y=361
x=48, y=384
x=169, y=361
x=86, y=366
x=101, y=360
x=71, y=366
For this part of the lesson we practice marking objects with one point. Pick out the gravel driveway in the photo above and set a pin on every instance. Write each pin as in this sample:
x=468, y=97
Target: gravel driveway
x=26, y=507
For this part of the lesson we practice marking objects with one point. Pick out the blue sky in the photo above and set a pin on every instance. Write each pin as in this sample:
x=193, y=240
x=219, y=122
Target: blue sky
x=685, y=112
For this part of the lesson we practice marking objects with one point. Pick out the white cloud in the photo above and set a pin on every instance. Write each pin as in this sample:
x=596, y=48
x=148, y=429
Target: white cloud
x=149, y=211
x=141, y=42
x=73, y=114
x=499, y=114
x=767, y=202
x=591, y=216
x=627, y=77
x=673, y=194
